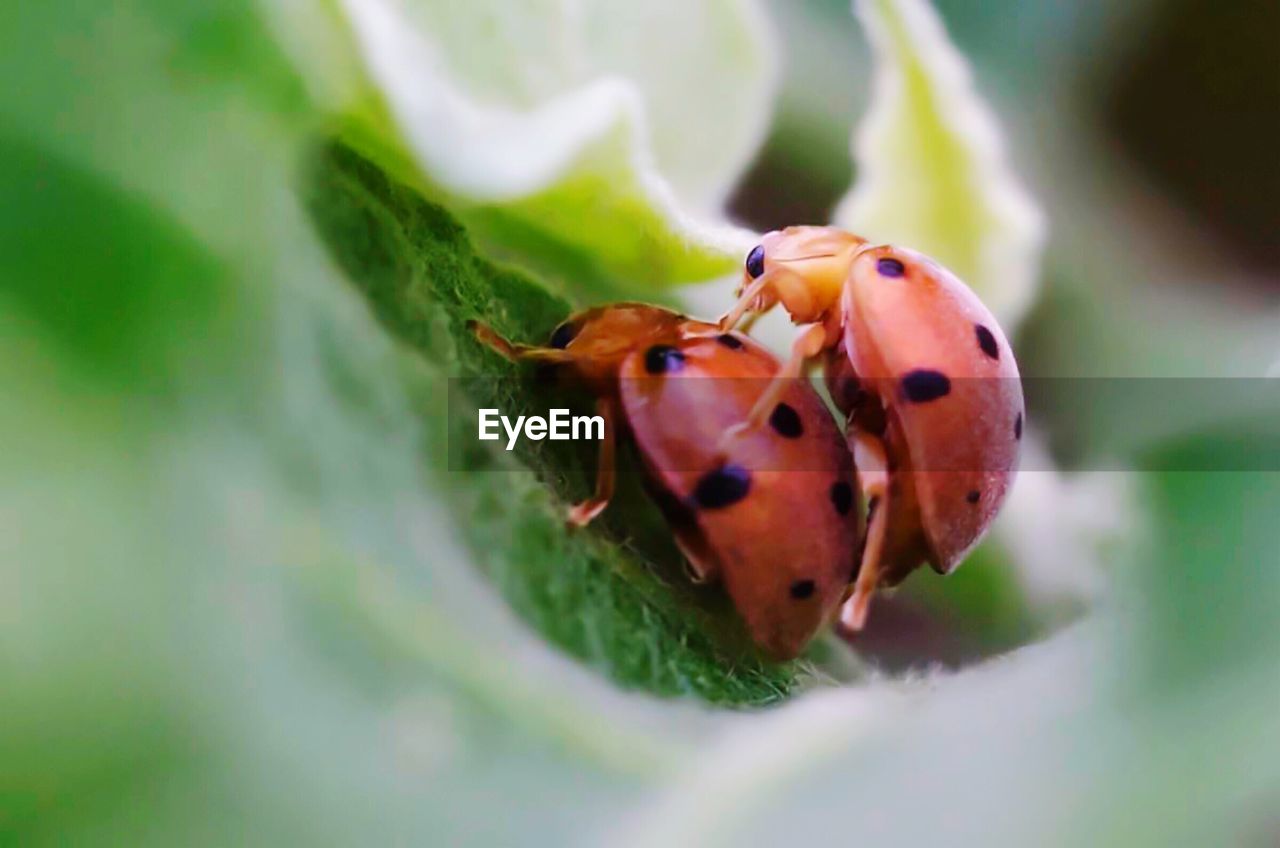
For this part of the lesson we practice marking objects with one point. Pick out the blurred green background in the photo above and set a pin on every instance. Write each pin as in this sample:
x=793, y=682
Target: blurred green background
x=243, y=599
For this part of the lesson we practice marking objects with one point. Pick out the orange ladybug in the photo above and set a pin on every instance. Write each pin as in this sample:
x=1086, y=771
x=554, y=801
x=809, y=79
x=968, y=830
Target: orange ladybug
x=925, y=376
x=776, y=519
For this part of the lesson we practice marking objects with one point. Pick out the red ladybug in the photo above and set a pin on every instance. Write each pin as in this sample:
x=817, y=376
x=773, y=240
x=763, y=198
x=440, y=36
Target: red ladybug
x=776, y=519
x=923, y=372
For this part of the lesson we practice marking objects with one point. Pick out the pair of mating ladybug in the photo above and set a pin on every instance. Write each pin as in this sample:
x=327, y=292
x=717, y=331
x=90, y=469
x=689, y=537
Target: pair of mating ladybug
x=752, y=474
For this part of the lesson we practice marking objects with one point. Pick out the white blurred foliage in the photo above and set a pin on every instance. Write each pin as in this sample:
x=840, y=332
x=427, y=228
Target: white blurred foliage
x=702, y=75
x=559, y=81
x=611, y=131
x=1055, y=524
x=749, y=757
x=932, y=170
x=888, y=763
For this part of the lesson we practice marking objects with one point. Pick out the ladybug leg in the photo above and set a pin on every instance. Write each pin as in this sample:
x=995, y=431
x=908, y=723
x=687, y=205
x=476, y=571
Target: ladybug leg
x=514, y=352
x=810, y=343
x=699, y=566
x=775, y=285
x=748, y=323
x=873, y=478
x=746, y=301
x=581, y=514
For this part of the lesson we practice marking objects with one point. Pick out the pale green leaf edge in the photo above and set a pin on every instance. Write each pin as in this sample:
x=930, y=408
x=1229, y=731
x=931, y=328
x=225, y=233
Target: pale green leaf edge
x=570, y=187
x=933, y=173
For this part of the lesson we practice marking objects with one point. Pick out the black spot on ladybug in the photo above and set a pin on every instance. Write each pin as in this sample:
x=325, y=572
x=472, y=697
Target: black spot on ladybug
x=802, y=589
x=731, y=342
x=564, y=334
x=842, y=497
x=987, y=342
x=786, y=421
x=663, y=359
x=1017, y=427
x=722, y=487
x=923, y=385
x=973, y=496
x=890, y=268
x=755, y=261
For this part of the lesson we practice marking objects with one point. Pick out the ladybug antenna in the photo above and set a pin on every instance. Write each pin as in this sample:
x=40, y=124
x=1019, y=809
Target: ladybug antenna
x=802, y=258
x=869, y=245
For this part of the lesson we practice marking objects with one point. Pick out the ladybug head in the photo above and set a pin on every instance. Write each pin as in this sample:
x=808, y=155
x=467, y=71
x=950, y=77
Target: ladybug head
x=819, y=257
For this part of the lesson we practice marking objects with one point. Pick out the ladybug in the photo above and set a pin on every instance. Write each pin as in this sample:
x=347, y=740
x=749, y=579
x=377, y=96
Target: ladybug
x=926, y=380
x=776, y=519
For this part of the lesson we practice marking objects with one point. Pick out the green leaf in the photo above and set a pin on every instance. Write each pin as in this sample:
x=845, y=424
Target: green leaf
x=622, y=604
x=244, y=594
x=932, y=170
x=248, y=594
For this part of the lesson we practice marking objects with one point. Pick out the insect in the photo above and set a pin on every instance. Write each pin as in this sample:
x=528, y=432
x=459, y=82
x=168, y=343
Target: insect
x=926, y=379
x=776, y=520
